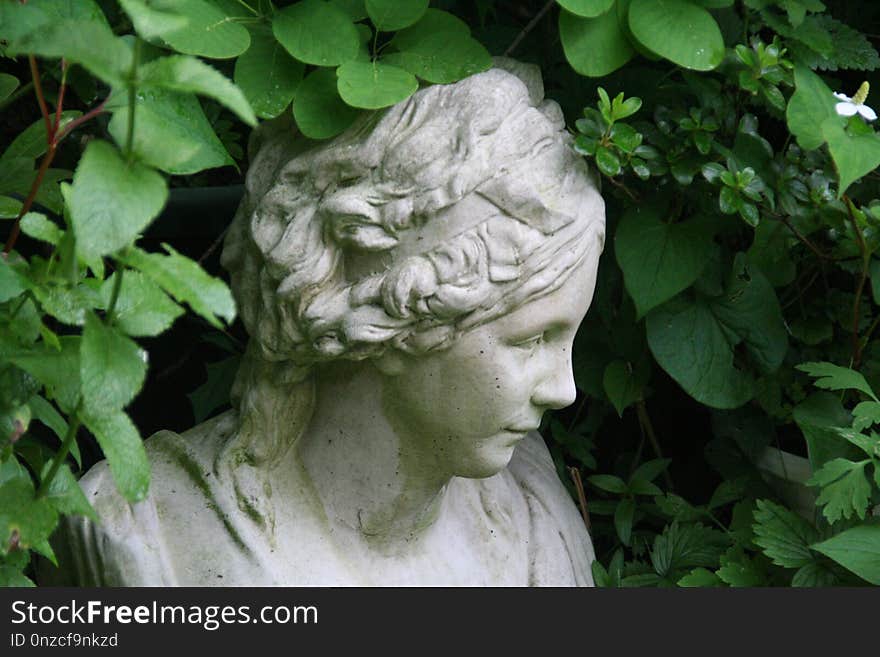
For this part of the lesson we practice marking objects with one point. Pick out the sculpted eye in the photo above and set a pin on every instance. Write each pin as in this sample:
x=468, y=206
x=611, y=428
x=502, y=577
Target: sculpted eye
x=530, y=343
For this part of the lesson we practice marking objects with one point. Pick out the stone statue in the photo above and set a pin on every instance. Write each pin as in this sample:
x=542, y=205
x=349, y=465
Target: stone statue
x=412, y=291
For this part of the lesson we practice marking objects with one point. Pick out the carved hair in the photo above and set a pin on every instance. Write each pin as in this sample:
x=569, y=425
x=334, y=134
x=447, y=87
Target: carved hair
x=325, y=255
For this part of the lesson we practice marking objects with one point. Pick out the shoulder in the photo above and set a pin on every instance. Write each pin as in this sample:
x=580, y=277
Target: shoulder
x=127, y=546
x=560, y=547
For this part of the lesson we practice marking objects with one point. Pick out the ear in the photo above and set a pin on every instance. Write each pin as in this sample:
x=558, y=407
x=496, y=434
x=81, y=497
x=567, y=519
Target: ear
x=391, y=363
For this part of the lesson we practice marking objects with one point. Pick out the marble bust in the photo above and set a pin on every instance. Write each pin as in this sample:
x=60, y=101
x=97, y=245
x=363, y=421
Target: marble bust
x=412, y=290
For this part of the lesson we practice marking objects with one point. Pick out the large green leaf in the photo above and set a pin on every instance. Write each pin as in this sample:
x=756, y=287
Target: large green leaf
x=817, y=417
x=392, y=15
x=186, y=281
x=834, y=377
x=784, y=536
x=693, y=339
x=112, y=368
x=267, y=75
x=317, y=32
x=587, y=8
x=112, y=200
x=12, y=283
x=659, y=259
x=22, y=512
x=57, y=370
x=124, y=449
x=171, y=133
x=443, y=57
x=857, y=549
x=811, y=104
x=855, y=154
x=681, y=31
x=186, y=74
x=319, y=111
x=193, y=27
x=434, y=21
x=373, y=85
x=845, y=489
x=594, y=46
x=65, y=494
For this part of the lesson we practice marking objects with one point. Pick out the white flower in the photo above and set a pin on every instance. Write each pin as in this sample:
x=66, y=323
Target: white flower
x=850, y=106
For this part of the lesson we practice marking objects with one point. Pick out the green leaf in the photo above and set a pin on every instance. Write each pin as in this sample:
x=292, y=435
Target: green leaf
x=608, y=483
x=185, y=74
x=833, y=377
x=783, y=535
x=319, y=111
x=866, y=414
x=37, y=226
x=433, y=22
x=624, y=383
x=814, y=575
x=845, y=489
x=392, y=15
x=142, y=308
x=65, y=494
x=623, y=519
x=11, y=576
x=171, y=133
x=650, y=470
x=374, y=85
x=57, y=370
x=112, y=368
x=694, y=340
x=700, y=577
x=88, y=43
x=317, y=32
x=12, y=283
x=809, y=107
x=643, y=487
x=682, y=32
x=21, y=511
x=442, y=57
x=67, y=303
x=9, y=207
x=686, y=546
x=354, y=8
x=607, y=161
x=677, y=508
x=31, y=143
x=124, y=449
x=738, y=570
x=659, y=259
x=586, y=8
x=856, y=549
x=112, y=200
x=186, y=281
x=854, y=155
x=8, y=84
x=206, y=29
x=267, y=75
x=46, y=413
x=594, y=46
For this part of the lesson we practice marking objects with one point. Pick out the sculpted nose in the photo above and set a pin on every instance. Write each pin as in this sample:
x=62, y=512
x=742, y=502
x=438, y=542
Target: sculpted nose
x=557, y=389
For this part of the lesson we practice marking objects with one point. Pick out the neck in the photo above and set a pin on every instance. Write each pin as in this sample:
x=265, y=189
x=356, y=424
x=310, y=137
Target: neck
x=367, y=475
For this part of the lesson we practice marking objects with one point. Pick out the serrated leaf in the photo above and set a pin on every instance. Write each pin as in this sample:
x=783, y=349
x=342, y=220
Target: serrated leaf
x=65, y=494
x=171, y=133
x=594, y=46
x=783, y=535
x=112, y=368
x=373, y=85
x=112, y=200
x=856, y=549
x=142, y=308
x=185, y=74
x=659, y=259
x=813, y=575
x=124, y=449
x=700, y=577
x=738, y=570
x=186, y=281
x=317, y=32
x=686, y=546
x=267, y=75
x=834, y=377
x=678, y=30
x=57, y=370
x=866, y=414
x=46, y=413
x=39, y=227
x=319, y=111
x=845, y=489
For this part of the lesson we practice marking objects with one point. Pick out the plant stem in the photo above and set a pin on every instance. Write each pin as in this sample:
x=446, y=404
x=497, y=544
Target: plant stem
x=29, y=201
x=73, y=125
x=582, y=497
x=41, y=100
x=866, y=261
x=248, y=7
x=60, y=103
x=114, y=296
x=529, y=27
x=645, y=421
x=61, y=456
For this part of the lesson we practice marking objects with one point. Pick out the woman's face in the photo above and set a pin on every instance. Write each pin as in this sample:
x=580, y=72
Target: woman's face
x=464, y=409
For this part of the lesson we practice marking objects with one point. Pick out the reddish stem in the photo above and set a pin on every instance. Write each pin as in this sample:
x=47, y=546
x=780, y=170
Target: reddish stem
x=73, y=125
x=60, y=104
x=29, y=201
x=38, y=89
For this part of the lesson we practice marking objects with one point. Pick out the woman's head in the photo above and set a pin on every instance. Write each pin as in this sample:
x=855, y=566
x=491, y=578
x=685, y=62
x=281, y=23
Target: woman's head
x=451, y=209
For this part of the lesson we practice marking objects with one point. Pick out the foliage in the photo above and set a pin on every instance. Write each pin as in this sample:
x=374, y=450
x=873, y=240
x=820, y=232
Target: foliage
x=740, y=271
